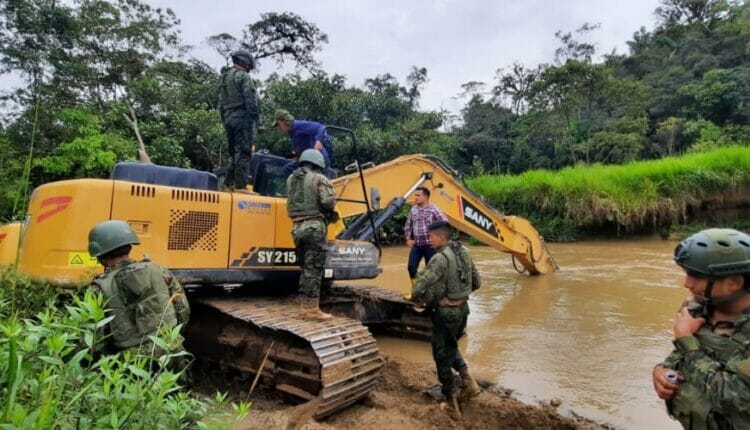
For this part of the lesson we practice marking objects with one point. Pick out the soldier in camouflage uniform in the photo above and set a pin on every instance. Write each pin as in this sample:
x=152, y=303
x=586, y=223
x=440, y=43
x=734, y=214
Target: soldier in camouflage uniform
x=310, y=205
x=705, y=381
x=444, y=287
x=142, y=297
x=238, y=106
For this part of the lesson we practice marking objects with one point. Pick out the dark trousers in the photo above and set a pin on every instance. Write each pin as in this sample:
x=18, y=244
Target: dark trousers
x=239, y=133
x=447, y=326
x=415, y=256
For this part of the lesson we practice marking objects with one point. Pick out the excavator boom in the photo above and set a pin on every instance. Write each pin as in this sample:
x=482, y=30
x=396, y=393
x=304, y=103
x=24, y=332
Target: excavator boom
x=466, y=211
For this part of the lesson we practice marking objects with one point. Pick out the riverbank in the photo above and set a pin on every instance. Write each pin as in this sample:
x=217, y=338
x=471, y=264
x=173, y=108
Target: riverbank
x=398, y=402
x=637, y=198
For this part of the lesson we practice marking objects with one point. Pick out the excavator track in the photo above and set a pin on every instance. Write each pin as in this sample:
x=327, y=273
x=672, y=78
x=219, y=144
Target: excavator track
x=334, y=362
x=384, y=311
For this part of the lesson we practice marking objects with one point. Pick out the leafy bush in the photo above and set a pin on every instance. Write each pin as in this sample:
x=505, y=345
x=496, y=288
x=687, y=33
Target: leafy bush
x=54, y=376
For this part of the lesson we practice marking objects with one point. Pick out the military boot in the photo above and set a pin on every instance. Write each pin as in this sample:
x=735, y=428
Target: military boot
x=470, y=388
x=311, y=311
x=450, y=406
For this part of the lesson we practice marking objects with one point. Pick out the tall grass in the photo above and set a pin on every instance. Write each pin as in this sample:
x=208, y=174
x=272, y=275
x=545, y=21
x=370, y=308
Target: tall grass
x=54, y=374
x=637, y=197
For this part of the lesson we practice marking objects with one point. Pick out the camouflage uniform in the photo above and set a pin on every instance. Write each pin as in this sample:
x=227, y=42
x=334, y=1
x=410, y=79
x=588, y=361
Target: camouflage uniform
x=142, y=297
x=716, y=390
x=444, y=286
x=310, y=203
x=238, y=106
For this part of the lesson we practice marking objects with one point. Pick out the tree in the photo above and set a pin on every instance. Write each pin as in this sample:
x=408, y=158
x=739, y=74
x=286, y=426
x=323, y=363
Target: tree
x=282, y=36
x=416, y=79
x=516, y=83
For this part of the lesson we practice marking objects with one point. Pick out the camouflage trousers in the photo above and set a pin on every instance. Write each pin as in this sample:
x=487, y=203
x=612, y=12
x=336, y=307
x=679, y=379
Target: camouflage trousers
x=310, y=240
x=239, y=133
x=447, y=326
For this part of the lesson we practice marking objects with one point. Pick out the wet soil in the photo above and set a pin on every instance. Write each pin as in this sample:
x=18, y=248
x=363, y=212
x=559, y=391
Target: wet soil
x=398, y=402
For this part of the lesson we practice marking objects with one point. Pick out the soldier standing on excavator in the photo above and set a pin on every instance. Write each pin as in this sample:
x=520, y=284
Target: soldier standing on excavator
x=238, y=107
x=444, y=287
x=310, y=205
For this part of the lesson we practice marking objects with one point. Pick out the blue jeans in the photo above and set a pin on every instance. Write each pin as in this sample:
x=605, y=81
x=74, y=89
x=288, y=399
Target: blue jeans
x=415, y=256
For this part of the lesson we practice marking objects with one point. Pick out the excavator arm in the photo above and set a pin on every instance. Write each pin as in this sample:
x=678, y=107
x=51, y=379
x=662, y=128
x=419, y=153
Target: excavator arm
x=466, y=211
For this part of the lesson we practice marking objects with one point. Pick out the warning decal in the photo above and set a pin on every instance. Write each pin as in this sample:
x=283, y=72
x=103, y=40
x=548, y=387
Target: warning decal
x=81, y=259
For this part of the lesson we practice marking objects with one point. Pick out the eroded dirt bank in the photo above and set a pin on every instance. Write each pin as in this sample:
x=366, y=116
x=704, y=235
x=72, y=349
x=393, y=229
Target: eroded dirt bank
x=398, y=402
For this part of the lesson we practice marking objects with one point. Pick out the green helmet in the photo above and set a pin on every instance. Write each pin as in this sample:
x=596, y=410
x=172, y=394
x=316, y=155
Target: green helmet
x=313, y=156
x=243, y=57
x=110, y=235
x=716, y=252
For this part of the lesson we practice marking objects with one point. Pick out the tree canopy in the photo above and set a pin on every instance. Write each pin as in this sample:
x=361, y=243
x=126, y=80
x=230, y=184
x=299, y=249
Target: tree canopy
x=103, y=78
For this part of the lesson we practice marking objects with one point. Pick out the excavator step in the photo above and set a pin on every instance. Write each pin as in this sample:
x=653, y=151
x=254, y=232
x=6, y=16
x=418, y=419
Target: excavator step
x=336, y=360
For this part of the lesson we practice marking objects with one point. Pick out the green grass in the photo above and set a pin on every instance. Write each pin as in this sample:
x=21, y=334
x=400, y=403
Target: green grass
x=55, y=372
x=633, y=198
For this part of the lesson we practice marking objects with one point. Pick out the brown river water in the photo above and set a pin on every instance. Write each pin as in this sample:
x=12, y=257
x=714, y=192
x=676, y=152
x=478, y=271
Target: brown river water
x=588, y=334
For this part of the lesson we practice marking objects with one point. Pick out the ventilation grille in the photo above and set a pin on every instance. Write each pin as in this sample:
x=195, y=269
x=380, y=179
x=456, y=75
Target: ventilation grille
x=142, y=191
x=195, y=196
x=192, y=230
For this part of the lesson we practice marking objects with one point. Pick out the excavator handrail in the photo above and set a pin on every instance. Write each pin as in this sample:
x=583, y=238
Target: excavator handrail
x=465, y=209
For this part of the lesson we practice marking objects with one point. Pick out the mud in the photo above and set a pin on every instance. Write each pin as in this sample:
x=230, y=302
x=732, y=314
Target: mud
x=398, y=402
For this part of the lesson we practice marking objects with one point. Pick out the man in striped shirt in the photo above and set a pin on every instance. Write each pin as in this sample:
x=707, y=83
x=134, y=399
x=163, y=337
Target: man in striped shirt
x=422, y=214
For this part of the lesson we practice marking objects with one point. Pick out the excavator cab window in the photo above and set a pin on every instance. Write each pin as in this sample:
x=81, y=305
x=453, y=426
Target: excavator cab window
x=267, y=171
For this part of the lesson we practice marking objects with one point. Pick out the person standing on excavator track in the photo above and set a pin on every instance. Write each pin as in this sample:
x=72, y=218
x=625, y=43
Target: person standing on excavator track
x=310, y=205
x=705, y=381
x=444, y=287
x=422, y=214
x=240, y=113
x=141, y=297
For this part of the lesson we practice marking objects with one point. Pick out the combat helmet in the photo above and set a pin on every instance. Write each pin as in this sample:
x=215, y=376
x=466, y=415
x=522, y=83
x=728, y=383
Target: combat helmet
x=313, y=156
x=715, y=253
x=243, y=57
x=110, y=235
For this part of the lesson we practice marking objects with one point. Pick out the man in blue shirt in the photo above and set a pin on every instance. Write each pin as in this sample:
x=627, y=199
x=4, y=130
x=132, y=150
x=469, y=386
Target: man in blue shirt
x=304, y=135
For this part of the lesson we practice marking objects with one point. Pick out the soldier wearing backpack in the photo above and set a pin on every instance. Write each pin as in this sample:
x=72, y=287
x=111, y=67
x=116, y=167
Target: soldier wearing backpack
x=142, y=297
x=444, y=287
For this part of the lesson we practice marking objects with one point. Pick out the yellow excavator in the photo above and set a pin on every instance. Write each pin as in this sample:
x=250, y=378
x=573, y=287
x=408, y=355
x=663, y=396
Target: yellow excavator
x=234, y=253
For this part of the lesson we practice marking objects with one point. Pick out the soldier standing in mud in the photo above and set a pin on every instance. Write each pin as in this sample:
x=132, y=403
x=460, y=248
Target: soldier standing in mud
x=310, y=205
x=141, y=296
x=705, y=381
x=444, y=287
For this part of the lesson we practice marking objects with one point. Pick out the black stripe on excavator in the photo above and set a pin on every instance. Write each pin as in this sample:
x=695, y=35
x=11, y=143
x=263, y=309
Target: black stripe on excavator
x=473, y=215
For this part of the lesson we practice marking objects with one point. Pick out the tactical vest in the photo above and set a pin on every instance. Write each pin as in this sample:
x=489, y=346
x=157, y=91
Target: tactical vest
x=303, y=199
x=690, y=405
x=458, y=284
x=137, y=300
x=230, y=95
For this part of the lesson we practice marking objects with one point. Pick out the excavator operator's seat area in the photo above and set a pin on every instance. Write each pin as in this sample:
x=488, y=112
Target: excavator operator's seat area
x=147, y=173
x=266, y=174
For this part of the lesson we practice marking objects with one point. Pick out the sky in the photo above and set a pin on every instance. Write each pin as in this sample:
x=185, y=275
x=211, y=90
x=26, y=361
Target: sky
x=456, y=40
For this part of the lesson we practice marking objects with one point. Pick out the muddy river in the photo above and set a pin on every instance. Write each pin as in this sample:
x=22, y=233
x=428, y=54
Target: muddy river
x=587, y=335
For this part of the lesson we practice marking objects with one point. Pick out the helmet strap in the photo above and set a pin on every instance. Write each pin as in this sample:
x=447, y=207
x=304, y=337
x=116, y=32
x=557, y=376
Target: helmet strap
x=709, y=302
